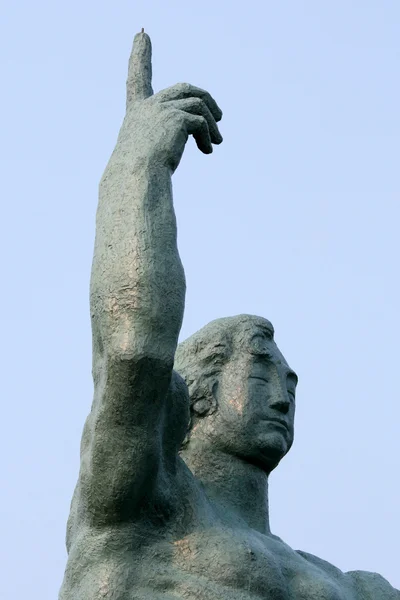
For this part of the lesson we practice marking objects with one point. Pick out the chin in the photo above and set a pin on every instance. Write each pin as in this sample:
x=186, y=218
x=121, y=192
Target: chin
x=272, y=447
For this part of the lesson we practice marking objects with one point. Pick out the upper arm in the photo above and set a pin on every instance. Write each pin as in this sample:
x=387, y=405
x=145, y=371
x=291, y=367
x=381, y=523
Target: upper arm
x=122, y=443
x=367, y=586
x=371, y=586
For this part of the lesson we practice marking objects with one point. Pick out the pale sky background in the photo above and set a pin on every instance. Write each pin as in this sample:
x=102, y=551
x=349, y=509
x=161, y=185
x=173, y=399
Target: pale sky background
x=294, y=217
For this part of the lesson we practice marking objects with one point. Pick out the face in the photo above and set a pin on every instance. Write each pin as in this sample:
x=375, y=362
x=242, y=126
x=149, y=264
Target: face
x=256, y=404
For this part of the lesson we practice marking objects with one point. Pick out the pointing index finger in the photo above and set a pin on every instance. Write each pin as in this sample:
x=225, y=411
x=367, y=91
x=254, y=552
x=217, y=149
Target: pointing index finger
x=138, y=85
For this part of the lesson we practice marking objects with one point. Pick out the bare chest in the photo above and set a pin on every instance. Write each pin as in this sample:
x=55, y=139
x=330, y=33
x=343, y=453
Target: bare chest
x=221, y=563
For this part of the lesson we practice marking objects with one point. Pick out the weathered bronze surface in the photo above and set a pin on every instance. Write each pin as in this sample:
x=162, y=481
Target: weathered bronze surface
x=172, y=496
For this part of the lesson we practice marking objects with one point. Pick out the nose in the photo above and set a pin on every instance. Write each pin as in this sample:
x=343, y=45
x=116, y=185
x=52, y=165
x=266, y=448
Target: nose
x=281, y=405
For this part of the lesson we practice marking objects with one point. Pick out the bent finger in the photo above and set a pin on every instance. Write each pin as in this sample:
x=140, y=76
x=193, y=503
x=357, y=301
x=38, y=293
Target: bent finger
x=198, y=127
x=182, y=91
x=195, y=106
x=138, y=85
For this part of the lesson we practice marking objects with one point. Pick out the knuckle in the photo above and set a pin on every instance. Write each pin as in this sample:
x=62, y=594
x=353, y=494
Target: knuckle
x=175, y=115
x=198, y=104
x=203, y=122
x=184, y=87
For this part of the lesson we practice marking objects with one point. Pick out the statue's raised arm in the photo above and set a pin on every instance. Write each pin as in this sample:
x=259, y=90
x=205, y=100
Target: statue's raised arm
x=137, y=290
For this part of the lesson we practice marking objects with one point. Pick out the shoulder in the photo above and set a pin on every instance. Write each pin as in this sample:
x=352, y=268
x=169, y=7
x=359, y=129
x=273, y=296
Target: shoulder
x=370, y=586
x=324, y=565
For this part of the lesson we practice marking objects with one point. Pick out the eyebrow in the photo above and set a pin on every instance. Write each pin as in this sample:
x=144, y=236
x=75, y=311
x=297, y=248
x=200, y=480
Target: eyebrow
x=266, y=331
x=268, y=357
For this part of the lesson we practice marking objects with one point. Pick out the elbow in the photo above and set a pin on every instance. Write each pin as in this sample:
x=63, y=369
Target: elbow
x=130, y=344
x=140, y=354
x=136, y=364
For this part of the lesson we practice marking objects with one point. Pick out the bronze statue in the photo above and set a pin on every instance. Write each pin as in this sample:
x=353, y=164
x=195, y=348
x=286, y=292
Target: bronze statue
x=172, y=497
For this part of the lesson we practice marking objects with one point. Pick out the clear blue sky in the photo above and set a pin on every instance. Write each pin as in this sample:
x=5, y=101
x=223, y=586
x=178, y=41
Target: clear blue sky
x=294, y=217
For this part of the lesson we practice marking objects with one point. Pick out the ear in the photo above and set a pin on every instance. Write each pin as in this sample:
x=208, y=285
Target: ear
x=204, y=399
x=203, y=402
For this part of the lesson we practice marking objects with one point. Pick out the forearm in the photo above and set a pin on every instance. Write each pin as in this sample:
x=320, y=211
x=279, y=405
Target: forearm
x=137, y=285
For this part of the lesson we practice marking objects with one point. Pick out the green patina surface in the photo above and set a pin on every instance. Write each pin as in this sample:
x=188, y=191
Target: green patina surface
x=172, y=496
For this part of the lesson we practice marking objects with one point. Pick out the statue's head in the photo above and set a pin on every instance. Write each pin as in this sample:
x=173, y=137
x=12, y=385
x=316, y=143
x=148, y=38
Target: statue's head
x=242, y=391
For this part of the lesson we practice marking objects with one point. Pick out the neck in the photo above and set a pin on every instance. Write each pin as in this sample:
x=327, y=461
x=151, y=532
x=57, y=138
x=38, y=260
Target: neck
x=237, y=488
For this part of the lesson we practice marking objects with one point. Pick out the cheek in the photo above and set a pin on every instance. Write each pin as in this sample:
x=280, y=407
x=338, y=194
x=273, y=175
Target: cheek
x=258, y=395
x=234, y=399
x=235, y=406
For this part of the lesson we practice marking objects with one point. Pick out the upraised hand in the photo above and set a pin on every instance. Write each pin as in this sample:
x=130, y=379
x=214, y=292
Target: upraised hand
x=157, y=126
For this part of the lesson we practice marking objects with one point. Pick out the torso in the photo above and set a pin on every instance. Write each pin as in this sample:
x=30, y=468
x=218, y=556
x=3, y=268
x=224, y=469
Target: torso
x=195, y=555
x=231, y=564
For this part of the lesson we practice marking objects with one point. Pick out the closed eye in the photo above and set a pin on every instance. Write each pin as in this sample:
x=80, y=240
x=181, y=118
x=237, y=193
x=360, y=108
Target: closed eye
x=259, y=378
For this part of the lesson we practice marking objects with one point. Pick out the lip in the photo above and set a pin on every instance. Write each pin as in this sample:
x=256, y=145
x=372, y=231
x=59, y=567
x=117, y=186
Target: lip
x=278, y=421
